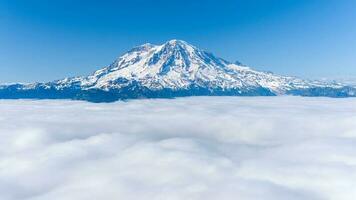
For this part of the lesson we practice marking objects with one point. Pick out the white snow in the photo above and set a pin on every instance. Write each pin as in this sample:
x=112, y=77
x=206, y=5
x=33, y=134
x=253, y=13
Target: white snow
x=178, y=65
x=190, y=65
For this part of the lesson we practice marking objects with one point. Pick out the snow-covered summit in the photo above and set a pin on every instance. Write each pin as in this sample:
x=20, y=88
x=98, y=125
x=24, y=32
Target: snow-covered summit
x=177, y=68
x=179, y=65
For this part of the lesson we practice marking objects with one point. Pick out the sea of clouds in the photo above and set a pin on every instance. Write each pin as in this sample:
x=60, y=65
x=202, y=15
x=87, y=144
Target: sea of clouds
x=218, y=148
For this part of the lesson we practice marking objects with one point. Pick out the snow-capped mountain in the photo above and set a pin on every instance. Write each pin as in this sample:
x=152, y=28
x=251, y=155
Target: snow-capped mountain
x=173, y=69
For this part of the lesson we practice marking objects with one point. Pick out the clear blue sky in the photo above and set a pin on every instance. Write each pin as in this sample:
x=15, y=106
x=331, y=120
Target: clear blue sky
x=43, y=40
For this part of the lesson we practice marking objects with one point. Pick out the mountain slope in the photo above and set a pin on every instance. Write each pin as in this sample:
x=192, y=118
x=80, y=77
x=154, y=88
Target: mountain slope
x=173, y=69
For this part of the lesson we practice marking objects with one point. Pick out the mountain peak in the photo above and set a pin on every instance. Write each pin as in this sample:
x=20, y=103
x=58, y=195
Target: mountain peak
x=176, y=41
x=179, y=46
x=172, y=69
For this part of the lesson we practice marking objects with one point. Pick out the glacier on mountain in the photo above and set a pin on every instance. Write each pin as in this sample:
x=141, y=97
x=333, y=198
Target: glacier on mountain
x=173, y=69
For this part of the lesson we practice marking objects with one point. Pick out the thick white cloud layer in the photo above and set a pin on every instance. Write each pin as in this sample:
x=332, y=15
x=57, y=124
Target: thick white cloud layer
x=271, y=148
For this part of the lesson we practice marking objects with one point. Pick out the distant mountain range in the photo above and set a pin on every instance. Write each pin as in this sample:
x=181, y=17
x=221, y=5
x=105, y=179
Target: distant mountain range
x=173, y=69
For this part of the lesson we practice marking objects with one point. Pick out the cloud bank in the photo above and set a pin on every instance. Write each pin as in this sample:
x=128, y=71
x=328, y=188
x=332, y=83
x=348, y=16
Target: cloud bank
x=271, y=148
